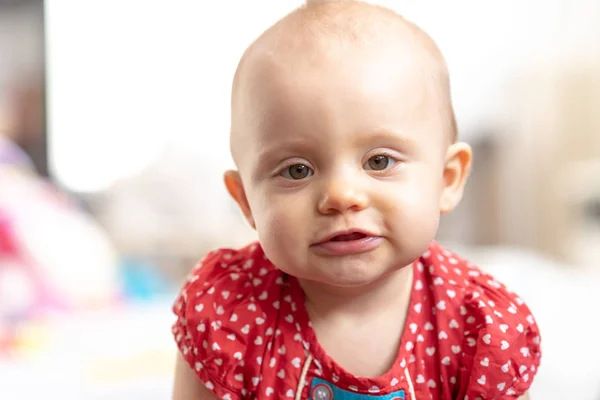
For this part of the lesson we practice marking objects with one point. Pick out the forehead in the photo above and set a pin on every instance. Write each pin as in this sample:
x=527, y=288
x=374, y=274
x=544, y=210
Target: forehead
x=339, y=94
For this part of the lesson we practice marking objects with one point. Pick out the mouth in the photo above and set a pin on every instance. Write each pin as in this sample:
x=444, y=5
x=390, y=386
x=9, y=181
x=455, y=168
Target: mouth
x=347, y=243
x=346, y=236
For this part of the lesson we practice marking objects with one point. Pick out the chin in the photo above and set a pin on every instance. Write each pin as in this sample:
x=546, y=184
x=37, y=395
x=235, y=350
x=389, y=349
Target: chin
x=351, y=273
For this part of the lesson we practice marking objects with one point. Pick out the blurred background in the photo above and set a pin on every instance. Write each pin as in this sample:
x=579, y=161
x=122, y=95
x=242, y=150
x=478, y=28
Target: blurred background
x=114, y=119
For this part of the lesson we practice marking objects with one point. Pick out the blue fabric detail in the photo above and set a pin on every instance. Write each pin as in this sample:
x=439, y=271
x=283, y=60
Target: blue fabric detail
x=323, y=390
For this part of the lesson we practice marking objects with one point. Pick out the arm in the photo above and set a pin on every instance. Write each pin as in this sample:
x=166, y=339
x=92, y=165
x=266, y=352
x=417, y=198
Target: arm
x=524, y=397
x=187, y=386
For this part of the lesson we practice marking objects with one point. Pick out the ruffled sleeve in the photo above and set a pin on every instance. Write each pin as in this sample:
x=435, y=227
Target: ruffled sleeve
x=217, y=318
x=502, y=343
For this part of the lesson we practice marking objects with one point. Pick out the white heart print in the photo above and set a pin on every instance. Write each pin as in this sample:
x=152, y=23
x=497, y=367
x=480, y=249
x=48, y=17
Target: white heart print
x=485, y=362
x=413, y=327
x=522, y=369
x=481, y=380
x=487, y=338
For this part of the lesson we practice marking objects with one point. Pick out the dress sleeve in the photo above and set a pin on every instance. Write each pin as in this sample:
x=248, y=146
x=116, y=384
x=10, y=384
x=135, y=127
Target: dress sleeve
x=215, y=320
x=501, y=346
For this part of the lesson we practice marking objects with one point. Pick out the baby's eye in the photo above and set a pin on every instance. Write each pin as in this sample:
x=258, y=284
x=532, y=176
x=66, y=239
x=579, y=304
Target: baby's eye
x=379, y=163
x=297, y=171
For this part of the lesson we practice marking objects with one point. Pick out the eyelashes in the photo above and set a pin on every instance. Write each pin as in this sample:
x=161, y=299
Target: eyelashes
x=378, y=163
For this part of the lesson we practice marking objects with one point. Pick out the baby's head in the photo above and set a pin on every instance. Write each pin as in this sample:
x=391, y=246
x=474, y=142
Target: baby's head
x=344, y=138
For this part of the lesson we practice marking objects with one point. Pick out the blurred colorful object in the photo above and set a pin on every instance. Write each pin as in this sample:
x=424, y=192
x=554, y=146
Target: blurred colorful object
x=53, y=256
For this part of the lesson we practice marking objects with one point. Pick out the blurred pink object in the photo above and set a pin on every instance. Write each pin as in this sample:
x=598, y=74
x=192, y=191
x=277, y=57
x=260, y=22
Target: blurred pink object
x=52, y=255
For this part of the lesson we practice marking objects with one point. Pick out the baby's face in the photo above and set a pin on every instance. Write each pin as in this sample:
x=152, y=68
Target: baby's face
x=342, y=163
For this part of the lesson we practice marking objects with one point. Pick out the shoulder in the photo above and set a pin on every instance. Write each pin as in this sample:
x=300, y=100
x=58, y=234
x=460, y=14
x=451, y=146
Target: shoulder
x=501, y=340
x=223, y=304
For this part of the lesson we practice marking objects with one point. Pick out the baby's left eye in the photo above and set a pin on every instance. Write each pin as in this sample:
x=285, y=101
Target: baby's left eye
x=379, y=163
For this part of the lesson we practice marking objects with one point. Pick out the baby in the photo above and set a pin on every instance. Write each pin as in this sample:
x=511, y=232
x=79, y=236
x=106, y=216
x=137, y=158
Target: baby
x=345, y=142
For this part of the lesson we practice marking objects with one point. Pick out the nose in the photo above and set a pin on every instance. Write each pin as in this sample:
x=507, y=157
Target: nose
x=340, y=196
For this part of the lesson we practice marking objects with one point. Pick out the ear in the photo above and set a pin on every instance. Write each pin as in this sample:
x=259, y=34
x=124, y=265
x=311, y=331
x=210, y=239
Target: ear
x=456, y=172
x=233, y=183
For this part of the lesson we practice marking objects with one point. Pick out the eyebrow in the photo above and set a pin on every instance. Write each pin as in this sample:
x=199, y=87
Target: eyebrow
x=275, y=153
x=289, y=147
x=385, y=136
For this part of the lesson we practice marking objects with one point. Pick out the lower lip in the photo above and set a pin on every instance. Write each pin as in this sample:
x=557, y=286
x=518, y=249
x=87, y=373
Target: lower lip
x=349, y=247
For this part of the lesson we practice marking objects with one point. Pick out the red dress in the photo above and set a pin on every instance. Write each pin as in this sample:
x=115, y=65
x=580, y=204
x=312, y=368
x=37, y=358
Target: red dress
x=243, y=328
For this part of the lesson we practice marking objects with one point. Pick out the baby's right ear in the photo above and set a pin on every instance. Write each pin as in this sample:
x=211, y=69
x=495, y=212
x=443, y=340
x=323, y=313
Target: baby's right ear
x=235, y=187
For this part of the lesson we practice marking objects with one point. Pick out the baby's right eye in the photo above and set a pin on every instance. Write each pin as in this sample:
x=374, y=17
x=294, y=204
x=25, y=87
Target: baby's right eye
x=297, y=172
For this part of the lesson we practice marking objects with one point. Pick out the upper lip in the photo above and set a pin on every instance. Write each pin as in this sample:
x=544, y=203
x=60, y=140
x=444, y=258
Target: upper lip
x=345, y=232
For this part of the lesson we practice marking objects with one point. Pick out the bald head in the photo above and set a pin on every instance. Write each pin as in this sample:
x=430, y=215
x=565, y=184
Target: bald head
x=344, y=31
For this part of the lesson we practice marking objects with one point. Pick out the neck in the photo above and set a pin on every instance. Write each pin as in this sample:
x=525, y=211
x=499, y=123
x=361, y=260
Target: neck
x=392, y=290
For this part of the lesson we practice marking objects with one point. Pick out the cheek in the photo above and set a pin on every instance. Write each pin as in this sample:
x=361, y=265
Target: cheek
x=413, y=208
x=280, y=218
